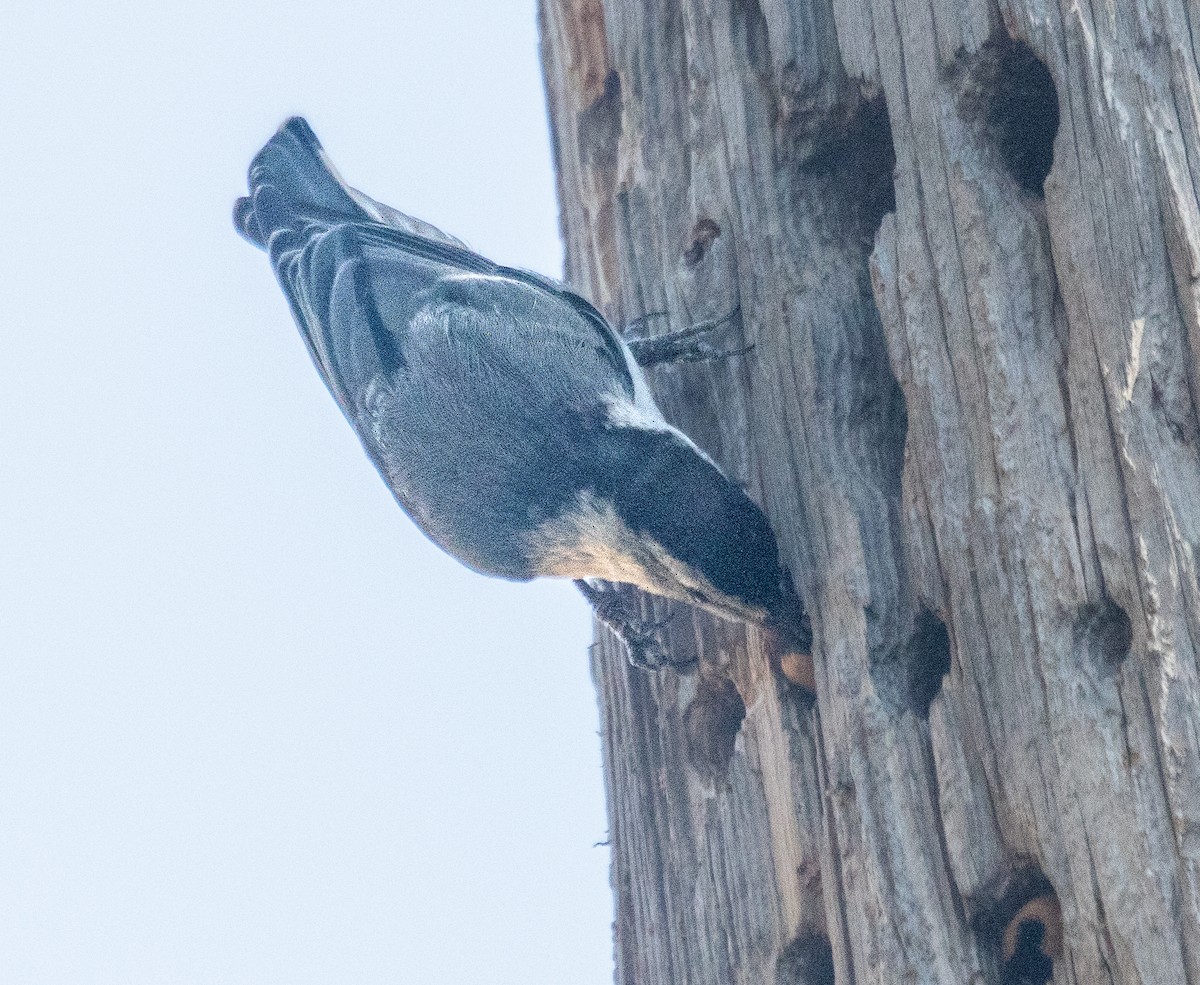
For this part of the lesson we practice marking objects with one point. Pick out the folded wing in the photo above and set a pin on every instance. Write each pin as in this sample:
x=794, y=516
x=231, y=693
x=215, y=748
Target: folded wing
x=436, y=355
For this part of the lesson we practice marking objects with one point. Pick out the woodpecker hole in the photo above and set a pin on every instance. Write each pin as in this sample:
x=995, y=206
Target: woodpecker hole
x=711, y=724
x=912, y=676
x=1032, y=940
x=703, y=234
x=807, y=960
x=1103, y=635
x=1009, y=95
x=1023, y=929
x=857, y=156
x=600, y=126
x=748, y=28
x=929, y=661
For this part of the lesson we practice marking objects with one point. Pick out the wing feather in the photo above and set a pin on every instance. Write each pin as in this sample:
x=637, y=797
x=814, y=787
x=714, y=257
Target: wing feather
x=398, y=275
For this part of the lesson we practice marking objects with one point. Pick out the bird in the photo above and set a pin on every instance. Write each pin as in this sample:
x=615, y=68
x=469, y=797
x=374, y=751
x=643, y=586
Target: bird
x=509, y=419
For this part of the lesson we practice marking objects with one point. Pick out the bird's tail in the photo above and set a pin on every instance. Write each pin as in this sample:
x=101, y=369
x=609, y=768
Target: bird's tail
x=291, y=181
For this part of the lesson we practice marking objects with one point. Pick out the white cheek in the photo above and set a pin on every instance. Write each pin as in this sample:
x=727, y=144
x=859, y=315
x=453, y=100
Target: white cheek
x=624, y=414
x=592, y=542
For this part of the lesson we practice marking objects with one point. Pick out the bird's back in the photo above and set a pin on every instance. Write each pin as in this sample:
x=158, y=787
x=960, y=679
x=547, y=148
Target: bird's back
x=476, y=389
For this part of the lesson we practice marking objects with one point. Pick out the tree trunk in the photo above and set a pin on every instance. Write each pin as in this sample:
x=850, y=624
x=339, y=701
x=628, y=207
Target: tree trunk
x=963, y=239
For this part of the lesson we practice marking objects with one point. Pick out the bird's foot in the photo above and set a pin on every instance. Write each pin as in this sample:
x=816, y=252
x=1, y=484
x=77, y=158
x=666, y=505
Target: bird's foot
x=642, y=639
x=682, y=345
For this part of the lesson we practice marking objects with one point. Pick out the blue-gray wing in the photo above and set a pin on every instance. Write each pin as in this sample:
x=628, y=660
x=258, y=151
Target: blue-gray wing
x=359, y=290
x=468, y=382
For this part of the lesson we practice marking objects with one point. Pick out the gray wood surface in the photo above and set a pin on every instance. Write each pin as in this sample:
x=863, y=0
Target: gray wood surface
x=970, y=412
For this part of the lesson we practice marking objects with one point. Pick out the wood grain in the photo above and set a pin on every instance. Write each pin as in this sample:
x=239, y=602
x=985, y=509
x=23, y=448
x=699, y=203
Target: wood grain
x=970, y=413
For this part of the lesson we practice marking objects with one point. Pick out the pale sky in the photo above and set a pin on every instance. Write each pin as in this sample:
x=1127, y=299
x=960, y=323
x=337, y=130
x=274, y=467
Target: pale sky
x=253, y=727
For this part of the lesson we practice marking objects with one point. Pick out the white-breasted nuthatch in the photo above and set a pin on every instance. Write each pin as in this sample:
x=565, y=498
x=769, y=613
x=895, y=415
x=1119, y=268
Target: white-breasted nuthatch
x=512, y=423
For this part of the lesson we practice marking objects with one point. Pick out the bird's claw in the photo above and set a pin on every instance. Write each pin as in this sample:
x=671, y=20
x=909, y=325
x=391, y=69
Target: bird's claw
x=683, y=344
x=702, y=352
x=643, y=641
x=645, y=646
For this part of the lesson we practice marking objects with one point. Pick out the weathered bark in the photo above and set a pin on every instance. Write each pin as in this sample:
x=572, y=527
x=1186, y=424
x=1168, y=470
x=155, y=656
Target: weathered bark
x=970, y=412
